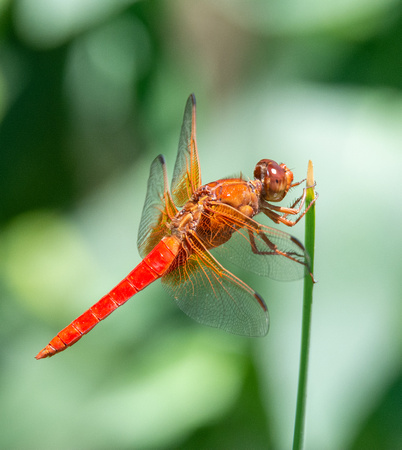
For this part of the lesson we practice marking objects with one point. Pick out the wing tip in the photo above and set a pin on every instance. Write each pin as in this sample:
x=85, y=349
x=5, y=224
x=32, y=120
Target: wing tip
x=160, y=159
x=260, y=300
x=191, y=97
x=263, y=331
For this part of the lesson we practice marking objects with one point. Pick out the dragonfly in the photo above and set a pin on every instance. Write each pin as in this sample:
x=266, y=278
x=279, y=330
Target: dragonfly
x=186, y=230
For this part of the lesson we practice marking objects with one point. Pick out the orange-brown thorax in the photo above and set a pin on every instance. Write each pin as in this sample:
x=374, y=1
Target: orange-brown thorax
x=205, y=216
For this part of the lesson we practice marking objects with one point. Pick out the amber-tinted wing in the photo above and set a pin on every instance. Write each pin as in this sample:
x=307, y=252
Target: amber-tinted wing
x=158, y=208
x=211, y=295
x=258, y=248
x=186, y=175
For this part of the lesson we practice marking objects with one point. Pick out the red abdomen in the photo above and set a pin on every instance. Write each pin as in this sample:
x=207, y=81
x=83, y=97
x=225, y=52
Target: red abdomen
x=152, y=267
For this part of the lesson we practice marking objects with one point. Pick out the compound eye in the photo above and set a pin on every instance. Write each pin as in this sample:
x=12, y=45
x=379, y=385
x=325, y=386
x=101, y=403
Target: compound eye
x=276, y=178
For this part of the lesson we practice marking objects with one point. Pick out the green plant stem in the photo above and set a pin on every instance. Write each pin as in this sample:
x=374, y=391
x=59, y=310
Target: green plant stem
x=298, y=437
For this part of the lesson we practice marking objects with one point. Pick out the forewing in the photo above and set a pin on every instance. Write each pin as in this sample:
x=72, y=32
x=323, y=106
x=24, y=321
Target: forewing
x=158, y=208
x=211, y=295
x=257, y=248
x=186, y=175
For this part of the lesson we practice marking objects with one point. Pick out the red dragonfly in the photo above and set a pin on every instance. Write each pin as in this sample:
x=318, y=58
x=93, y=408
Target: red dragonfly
x=216, y=219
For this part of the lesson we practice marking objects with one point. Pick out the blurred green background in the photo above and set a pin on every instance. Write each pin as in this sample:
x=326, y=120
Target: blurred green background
x=90, y=93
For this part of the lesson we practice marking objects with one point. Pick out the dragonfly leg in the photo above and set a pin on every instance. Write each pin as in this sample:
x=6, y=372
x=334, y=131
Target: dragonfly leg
x=293, y=256
x=297, y=183
x=274, y=248
x=301, y=199
x=291, y=209
x=269, y=210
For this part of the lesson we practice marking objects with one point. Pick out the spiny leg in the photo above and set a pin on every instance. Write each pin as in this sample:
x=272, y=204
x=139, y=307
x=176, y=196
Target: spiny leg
x=274, y=248
x=269, y=211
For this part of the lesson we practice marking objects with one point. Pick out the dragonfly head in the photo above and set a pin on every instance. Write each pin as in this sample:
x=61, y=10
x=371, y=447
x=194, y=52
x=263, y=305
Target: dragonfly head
x=275, y=178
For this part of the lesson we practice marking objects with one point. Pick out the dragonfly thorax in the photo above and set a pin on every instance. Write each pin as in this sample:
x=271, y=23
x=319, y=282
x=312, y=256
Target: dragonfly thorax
x=186, y=219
